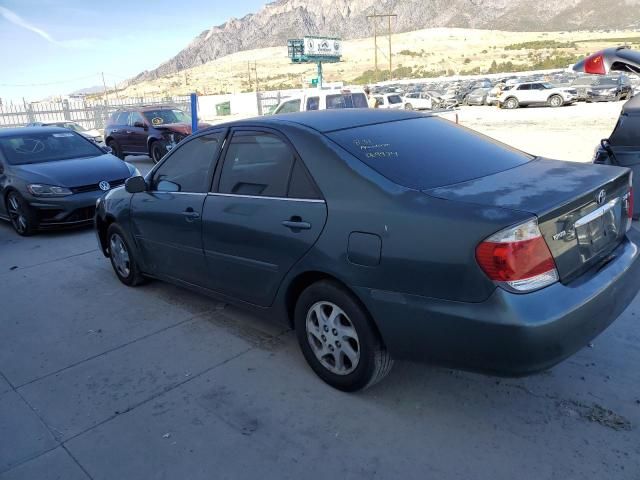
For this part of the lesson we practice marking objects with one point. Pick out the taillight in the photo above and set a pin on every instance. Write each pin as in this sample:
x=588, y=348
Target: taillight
x=628, y=202
x=518, y=259
x=595, y=64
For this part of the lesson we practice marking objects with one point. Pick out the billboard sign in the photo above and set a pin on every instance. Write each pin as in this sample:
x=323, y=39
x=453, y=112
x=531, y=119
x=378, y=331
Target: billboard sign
x=322, y=47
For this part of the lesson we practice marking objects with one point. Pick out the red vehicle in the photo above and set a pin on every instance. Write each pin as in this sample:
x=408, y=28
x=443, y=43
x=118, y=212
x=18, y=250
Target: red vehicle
x=150, y=130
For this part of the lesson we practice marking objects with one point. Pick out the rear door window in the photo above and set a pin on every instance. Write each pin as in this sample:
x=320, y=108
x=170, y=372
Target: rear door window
x=346, y=100
x=425, y=153
x=313, y=103
x=256, y=164
x=394, y=99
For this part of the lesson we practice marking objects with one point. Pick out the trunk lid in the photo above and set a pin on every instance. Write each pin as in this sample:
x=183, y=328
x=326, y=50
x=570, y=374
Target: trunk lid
x=580, y=207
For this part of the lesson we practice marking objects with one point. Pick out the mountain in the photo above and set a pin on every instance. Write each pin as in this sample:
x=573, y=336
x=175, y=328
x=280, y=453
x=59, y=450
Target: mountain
x=283, y=19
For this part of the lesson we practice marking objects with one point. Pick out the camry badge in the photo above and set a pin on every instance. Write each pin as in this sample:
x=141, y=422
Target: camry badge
x=104, y=185
x=601, y=197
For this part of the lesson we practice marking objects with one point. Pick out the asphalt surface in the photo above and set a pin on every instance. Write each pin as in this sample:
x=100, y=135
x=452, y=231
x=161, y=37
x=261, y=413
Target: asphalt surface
x=102, y=381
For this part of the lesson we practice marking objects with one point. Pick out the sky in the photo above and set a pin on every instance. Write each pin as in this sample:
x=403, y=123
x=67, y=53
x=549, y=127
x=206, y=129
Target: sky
x=53, y=47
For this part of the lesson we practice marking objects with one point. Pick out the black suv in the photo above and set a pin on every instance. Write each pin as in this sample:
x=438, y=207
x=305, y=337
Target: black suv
x=610, y=89
x=151, y=130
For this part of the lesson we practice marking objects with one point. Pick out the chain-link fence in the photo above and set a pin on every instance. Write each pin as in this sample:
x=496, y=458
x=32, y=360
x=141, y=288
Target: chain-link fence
x=88, y=114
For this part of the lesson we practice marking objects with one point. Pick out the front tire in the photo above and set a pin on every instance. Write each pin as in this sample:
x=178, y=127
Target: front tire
x=337, y=338
x=122, y=257
x=23, y=219
x=157, y=151
x=556, y=101
x=511, y=103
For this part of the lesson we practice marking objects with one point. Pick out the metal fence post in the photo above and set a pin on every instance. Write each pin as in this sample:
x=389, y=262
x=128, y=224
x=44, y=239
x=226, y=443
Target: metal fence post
x=194, y=113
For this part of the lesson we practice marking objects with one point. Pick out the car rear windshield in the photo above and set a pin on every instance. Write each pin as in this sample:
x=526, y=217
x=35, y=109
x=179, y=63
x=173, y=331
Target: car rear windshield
x=161, y=117
x=346, y=100
x=428, y=152
x=46, y=147
x=394, y=99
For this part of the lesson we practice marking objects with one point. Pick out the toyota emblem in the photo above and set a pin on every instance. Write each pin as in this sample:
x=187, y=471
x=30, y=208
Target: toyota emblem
x=104, y=186
x=601, y=197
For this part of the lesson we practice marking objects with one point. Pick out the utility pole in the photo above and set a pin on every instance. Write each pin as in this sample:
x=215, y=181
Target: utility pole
x=249, y=73
x=375, y=17
x=104, y=84
x=255, y=66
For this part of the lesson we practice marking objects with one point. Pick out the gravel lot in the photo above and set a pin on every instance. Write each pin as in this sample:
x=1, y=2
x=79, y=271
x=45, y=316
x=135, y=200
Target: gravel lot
x=106, y=382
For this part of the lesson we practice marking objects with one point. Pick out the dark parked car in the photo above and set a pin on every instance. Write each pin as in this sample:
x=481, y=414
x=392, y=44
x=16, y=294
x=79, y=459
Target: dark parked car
x=582, y=86
x=610, y=89
x=346, y=225
x=51, y=177
x=477, y=97
x=152, y=130
x=622, y=148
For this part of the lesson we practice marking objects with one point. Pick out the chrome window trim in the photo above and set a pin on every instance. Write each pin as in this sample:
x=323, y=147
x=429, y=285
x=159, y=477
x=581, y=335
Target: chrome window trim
x=174, y=193
x=233, y=195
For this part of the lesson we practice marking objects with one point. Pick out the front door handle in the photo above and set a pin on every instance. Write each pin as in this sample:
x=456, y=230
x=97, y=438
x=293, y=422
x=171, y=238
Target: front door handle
x=190, y=214
x=296, y=223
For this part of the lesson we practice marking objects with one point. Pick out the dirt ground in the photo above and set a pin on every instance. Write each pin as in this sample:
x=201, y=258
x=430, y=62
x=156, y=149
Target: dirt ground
x=567, y=133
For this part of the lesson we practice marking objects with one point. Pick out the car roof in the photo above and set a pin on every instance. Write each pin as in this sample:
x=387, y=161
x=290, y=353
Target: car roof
x=325, y=121
x=10, y=132
x=146, y=108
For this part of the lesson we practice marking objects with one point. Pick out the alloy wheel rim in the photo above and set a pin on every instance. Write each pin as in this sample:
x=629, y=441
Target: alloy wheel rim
x=18, y=219
x=333, y=338
x=119, y=255
x=555, y=101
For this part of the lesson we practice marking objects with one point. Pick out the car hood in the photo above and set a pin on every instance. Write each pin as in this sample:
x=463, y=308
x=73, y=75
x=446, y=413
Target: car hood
x=75, y=172
x=93, y=133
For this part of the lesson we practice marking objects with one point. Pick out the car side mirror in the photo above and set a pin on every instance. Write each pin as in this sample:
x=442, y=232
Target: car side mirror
x=140, y=125
x=135, y=185
x=604, y=143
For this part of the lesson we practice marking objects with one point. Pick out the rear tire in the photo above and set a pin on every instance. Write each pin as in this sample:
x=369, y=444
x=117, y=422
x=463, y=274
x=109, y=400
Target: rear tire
x=116, y=149
x=122, y=257
x=408, y=106
x=23, y=219
x=338, y=339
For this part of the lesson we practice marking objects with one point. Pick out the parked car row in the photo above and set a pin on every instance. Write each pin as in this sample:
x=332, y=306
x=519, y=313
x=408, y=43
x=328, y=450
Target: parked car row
x=485, y=91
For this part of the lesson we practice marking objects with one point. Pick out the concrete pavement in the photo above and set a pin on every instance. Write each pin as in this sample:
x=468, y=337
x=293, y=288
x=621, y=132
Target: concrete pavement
x=102, y=381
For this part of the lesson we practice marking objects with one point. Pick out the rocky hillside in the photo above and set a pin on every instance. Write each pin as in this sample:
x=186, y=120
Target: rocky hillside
x=284, y=19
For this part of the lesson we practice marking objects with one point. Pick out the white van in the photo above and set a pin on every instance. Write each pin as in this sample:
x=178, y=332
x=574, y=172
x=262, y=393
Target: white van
x=323, y=100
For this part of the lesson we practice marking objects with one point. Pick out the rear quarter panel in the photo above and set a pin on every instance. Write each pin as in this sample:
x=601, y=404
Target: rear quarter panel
x=427, y=244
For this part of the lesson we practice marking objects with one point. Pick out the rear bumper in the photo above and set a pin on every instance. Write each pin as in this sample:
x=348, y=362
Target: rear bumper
x=508, y=334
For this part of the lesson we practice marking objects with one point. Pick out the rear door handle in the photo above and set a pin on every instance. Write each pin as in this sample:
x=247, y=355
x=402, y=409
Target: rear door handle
x=128, y=132
x=297, y=225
